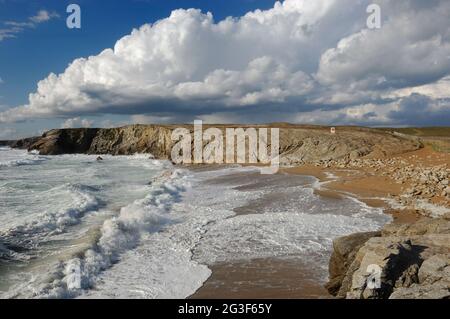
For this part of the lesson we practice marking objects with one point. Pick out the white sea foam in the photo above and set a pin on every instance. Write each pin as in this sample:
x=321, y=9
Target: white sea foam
x=433, y=209
x=19, y=158
x=172, y=263
x=55, y=221
x=50, y=212
x=118, y=235
x=292, y=222
x=277, y=235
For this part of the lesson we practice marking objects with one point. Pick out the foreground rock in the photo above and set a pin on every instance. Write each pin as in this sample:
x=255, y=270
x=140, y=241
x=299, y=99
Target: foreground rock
x=414, y=260
x=298, y=144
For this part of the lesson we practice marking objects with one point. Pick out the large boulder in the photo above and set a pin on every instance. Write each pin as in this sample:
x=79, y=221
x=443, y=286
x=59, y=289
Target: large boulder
x=344, y=251
x=413, y=262
x=397, y=260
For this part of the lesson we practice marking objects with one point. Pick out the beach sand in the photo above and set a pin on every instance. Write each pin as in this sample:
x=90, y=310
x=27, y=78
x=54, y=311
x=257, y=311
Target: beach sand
x=261, y=279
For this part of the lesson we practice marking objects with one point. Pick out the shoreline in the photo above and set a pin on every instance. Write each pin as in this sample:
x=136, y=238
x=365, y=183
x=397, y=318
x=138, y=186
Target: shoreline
x=361, y=184
x=336, y=188
x=412, y=188
x=227, y=276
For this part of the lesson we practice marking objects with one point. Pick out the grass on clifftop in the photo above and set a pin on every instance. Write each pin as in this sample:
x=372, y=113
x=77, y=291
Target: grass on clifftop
x=436, y=137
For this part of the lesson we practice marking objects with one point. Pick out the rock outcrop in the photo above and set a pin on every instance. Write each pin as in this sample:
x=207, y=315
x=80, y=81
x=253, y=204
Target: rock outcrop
x=305, y=145
x=21, y=144
x=413, y=259
x=116, y=141
x=65, y=141
x=298, y=144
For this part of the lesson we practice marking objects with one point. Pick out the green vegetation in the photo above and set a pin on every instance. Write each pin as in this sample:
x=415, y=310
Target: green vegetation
x=443, y=131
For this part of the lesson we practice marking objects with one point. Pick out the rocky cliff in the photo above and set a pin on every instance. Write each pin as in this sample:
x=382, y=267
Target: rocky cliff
x=116, y=141
x=298, y=144
x=414, y=261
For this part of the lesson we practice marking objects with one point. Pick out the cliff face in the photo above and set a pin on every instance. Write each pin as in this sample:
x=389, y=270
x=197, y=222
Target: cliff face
x=116, y=141
x=133, y=139
x=67, y=141
x=298, y=144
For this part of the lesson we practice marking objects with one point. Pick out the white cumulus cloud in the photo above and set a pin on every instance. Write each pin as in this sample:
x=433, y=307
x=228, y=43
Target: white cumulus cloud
x=77, y=122
x=299, y=56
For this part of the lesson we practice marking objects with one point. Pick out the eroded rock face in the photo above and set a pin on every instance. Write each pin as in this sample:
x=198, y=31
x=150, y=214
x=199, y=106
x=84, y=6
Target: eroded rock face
x=68, y=141
x=433, y=279
x=414, y=261
x=298, y=144
x=344, y=252
x=306, y=145
x=396, y=258
x=116, y=141
x=133, y=139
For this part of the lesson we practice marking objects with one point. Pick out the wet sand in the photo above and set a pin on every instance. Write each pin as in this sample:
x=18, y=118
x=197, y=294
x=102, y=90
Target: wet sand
x=261, y=279
x=358, y=183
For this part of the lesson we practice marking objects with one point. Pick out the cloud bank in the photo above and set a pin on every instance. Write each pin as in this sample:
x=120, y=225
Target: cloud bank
x=303, y=61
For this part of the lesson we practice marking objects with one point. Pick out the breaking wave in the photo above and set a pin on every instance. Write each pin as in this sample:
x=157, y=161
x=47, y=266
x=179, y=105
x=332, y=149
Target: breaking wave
x=117, y=235
x=52, y=222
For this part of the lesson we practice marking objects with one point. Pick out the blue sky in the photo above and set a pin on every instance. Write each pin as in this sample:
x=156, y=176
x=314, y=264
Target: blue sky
x=50, y=46
x=300, y=61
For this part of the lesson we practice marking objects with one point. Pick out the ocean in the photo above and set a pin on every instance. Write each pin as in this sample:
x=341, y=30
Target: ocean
x=136, y=227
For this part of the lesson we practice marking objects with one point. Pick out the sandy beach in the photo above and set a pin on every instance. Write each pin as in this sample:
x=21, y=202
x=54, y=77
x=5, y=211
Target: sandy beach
x=269, y=278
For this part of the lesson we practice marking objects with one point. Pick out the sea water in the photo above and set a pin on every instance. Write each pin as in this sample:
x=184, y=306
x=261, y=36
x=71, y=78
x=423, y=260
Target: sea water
x=134, y=227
